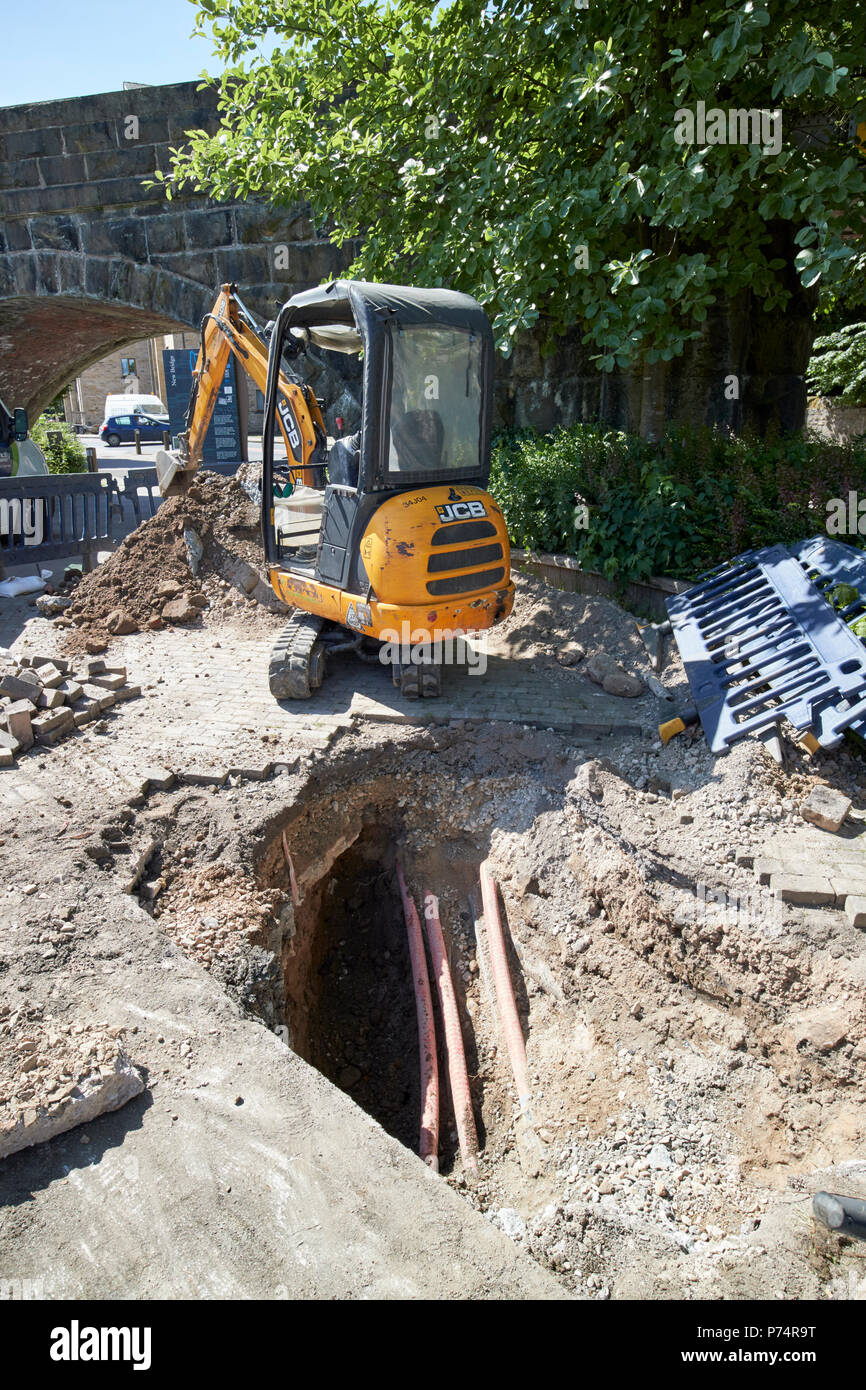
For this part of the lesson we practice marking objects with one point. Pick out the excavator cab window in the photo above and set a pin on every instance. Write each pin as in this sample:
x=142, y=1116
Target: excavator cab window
x=434, y=422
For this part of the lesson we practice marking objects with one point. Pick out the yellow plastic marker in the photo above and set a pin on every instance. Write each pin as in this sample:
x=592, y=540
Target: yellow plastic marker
x=675, y=726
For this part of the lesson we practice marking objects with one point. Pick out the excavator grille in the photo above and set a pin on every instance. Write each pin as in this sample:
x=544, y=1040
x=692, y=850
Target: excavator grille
x=445, y=561
x=465, y=583
x=458, y=531
x=464, y=559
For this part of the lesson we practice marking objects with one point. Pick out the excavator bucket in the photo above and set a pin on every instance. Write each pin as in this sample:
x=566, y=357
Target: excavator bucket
x=168, y=464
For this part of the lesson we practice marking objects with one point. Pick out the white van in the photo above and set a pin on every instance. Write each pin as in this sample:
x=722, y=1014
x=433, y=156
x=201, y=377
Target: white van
x=133, y=403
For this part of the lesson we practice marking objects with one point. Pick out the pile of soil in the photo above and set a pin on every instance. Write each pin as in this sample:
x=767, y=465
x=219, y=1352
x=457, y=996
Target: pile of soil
x=173, y=567
x=545, y=622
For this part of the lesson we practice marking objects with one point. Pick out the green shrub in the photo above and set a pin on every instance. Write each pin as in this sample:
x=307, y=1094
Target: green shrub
x=678, y=507
x=64, y=452
x=837, y=366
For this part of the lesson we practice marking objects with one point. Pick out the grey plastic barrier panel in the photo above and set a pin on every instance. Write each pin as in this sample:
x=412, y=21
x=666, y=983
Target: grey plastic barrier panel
x=69, y=513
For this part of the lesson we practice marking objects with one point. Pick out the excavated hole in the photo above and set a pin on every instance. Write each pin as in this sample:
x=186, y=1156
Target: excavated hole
x=349, y=1002
x=348, y=995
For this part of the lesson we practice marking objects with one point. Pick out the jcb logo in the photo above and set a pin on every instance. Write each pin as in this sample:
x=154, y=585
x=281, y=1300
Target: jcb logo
x=461, y=511
x=289, y=426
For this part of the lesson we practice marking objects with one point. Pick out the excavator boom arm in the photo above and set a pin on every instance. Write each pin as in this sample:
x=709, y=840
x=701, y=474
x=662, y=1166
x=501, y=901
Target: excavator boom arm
x=227, y=329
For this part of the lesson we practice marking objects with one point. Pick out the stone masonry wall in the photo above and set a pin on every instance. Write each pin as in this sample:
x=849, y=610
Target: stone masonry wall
x=91, y=260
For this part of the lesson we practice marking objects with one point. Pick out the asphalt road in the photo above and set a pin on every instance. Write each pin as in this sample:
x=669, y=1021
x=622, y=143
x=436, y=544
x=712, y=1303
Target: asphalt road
x=124, y=456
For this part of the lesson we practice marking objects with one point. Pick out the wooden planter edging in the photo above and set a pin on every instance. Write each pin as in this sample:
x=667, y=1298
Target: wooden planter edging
x=564, y=572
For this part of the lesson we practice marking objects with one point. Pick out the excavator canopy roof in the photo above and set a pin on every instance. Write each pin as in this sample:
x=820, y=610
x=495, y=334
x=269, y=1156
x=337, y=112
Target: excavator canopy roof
x=428, y=376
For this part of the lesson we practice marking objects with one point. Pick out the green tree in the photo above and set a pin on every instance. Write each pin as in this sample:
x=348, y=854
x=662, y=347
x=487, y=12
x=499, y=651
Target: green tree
x=530, y=153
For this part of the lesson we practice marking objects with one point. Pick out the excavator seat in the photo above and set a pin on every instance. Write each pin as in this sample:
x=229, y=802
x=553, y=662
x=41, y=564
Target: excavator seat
x=344, y=460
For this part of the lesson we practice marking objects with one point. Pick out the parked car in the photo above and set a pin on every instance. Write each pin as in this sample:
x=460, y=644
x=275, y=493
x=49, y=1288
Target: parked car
x=120, y=429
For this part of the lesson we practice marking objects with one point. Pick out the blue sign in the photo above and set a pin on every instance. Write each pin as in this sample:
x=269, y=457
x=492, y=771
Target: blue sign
x=222, y=443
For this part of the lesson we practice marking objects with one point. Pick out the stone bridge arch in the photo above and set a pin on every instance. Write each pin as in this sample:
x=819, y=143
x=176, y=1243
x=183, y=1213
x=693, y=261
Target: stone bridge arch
x=52, y=326
x=90, y=259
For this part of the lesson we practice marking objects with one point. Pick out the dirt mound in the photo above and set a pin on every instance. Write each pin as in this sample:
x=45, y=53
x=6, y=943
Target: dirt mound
x=172, y=567
x=546, y=622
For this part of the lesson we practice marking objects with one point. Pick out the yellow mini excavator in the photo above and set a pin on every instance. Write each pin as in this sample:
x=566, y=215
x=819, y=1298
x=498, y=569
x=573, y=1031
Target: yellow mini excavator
x=387, y=535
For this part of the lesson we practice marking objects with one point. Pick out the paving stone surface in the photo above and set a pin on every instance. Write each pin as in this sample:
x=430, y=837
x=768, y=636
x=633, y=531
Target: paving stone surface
x=206, y=711
x=806, y=865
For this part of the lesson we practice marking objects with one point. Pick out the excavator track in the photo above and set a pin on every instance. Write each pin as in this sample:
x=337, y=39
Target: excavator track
x=418, y=681
x=297, y=665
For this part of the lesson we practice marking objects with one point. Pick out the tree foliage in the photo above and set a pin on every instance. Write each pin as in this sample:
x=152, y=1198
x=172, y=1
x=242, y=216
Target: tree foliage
x=838, y=364
x=674, y=506
x=526, y=152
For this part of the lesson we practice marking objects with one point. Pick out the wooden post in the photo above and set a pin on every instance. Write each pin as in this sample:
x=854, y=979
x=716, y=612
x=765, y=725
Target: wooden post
x=138, y=441
x=92, y=461
x=166, y=439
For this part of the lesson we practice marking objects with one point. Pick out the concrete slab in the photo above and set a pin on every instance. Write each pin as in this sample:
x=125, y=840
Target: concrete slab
x=254, y=1178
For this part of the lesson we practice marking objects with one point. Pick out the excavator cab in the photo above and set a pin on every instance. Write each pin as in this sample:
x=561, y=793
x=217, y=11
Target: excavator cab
x=402, y=544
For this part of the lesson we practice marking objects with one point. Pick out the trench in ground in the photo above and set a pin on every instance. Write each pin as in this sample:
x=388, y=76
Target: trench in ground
x=608, y=1003
x=348, y=992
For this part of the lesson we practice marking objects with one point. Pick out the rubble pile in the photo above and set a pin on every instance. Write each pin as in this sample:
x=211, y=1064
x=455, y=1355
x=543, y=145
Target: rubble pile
x=55, y=1075
x=44, y=698
x=556, y=627
x=213, y=910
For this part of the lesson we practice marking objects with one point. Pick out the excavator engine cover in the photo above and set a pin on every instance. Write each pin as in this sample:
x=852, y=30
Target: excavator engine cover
x=437, y=544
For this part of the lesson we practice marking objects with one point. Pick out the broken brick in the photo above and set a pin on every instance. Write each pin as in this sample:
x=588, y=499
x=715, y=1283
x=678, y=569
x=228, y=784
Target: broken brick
x=18, y=688
x=52, y=721
x=855, y=909
x=18, y=720
x=50, y=699
x=825, y=807
x=808, y=890
x=108, y=682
